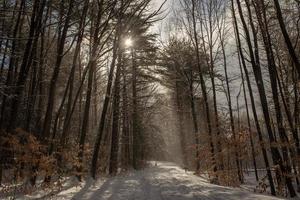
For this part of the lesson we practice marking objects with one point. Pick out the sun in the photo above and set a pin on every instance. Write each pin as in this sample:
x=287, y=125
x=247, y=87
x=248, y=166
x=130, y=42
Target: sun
x=128, y=42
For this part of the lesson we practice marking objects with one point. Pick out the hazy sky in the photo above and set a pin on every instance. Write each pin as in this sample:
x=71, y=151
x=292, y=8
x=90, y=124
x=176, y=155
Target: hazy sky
x=167, y=9
x=167, y=5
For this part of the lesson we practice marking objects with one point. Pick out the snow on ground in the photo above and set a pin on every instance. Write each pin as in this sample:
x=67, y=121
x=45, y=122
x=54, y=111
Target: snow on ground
x=164, y=181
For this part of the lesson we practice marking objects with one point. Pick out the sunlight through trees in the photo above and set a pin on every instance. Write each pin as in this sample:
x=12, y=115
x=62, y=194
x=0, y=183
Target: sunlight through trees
x=91, y=88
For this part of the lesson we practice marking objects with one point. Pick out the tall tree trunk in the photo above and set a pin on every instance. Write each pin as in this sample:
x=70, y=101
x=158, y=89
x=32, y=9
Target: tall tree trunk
x=12, y=60
x=113, y=165
x=53, y=82
x=104, y=111
x=286, y=36
x=203, y=86
x=285, y=166
x=249, y=124
x=195, y=121
x=33, y=36
x=125, y=122
x=229, y=100
x=136, y=143
x=91, y=64
x=277, y=159
x=86, y=114
x=294, y=155
x=261, y=141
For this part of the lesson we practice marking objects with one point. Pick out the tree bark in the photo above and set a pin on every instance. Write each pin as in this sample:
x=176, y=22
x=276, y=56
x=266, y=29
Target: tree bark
x=269, y=174
x=286, y=36
x=53, y=82
x=113, y=165
x=203, y=87
x=104, y=111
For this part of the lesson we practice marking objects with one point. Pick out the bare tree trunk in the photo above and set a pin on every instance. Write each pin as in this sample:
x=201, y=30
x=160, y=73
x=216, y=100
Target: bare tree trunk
x=285, y=166
x=125, y=122
x=286, y=36
x=12, y=61
x=195, y=121
x=203, y=88
x=52, y=89
x=104, y=111
x=294, y=155
x=269, y=174
x=136, y=143
x=75, y=59
x=34, y=31
x=249, y=124
x=113, y=165
x=228, y=94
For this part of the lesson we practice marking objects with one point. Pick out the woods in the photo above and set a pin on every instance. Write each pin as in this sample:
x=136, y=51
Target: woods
x=91, y=88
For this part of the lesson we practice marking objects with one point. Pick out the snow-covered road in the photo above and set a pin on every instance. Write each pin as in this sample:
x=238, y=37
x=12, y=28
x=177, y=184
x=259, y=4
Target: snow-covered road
x=165, y=181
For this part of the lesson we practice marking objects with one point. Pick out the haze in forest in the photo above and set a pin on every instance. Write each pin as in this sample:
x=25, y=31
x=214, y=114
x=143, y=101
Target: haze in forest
x=162, y=97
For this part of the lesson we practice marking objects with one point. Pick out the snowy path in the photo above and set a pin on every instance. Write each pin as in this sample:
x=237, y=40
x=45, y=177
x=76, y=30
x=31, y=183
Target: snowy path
x=163, y=182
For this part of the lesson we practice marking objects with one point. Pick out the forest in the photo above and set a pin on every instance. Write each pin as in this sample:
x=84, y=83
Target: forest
x=174, y=99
